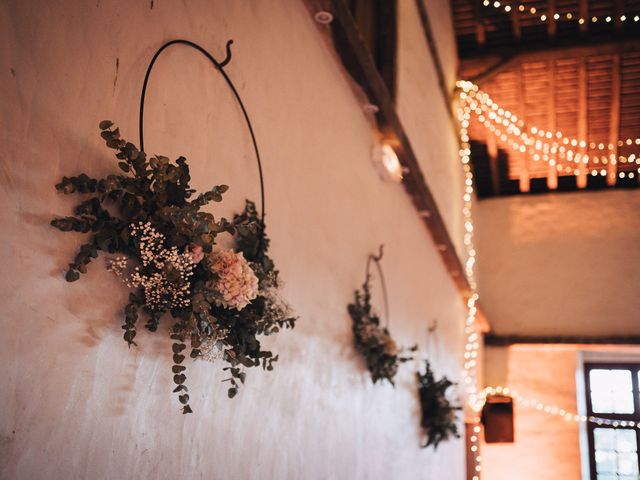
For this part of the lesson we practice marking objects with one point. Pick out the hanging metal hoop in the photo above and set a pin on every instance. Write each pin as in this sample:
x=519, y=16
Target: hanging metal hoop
x=376, y=259
x=432, y=331
x=220, y=67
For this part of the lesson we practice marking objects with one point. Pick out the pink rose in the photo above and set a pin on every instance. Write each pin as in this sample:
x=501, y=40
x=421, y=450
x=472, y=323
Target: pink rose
x=236, y=284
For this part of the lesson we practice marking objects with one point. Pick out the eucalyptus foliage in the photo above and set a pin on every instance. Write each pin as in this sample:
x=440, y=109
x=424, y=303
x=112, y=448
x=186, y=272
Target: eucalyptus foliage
x=156, y=192
x=438, y=414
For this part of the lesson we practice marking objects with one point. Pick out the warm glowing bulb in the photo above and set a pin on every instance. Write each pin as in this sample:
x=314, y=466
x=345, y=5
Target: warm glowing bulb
x=387, y=163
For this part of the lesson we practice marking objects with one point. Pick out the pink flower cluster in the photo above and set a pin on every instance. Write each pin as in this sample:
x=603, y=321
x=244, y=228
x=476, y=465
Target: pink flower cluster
x=237, y=284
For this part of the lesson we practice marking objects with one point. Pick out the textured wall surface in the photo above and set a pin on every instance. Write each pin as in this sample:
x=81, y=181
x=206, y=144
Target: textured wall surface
x=75, y=403
x=563, y=264
x=546, y=447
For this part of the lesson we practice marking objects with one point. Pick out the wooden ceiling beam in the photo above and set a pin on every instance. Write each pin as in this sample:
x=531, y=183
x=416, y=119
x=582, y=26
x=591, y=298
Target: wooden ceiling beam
x=512, y=57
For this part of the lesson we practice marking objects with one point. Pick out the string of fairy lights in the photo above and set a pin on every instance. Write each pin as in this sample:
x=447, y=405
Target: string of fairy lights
x=566, y=16
x=556, y=149
x=565, y=154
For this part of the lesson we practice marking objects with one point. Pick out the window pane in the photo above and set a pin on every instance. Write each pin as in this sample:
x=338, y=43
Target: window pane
x=605, y=462
x=605, y=438
x=628, y=463
x=625, y=440
x=607, y=476
x=601, y=402
x=611, y=391
x=622, y=402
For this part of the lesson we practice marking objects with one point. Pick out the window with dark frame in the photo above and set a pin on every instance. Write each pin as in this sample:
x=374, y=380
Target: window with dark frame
x=613, y=393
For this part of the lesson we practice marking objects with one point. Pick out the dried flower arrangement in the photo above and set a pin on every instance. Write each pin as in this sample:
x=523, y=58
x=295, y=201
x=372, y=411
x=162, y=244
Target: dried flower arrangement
x=438, y=414
x=374, y=342
x=221, y=300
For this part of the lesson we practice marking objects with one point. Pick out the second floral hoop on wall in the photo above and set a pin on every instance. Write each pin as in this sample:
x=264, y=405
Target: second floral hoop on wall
x=372, y=340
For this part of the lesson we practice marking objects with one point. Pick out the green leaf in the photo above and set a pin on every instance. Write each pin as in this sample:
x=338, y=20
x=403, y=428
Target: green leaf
x=72, y=275
x=124, y=166
x=105, y=124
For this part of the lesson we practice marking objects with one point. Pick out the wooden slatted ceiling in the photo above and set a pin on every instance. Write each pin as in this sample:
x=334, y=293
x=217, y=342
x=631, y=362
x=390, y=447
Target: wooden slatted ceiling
x=588, y=93
x=532, y=103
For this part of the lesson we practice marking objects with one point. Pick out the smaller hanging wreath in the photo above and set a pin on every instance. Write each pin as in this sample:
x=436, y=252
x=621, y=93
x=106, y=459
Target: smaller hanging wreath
x=373, y=341
x=438, y=414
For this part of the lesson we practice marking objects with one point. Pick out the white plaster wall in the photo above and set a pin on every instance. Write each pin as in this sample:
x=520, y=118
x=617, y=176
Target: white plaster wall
x=75, y=402
x=563, y=264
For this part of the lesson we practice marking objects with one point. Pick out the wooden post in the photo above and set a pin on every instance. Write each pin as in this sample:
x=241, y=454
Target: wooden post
x=522, y=158
x=614, y=122
x=584, y=14
x=481, y=36
x=552, y=175
x=492, y=151
x=581, y=180
x=551, y=21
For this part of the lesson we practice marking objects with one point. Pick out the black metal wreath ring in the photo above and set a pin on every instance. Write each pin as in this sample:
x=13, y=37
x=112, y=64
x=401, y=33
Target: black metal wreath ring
x=220, y=67
x=376, y=259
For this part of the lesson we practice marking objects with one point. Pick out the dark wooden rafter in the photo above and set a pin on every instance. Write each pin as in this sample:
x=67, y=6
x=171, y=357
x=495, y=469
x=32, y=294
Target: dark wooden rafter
x=515, y=24
x=551, y=21
x=493, y=340
x=362, y=68
x=512, y=58
x=583, y=8
x=481, y=34
x=618, y=12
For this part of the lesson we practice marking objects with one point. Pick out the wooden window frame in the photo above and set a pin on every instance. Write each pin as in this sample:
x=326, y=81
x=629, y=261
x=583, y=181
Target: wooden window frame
x=634, y=367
